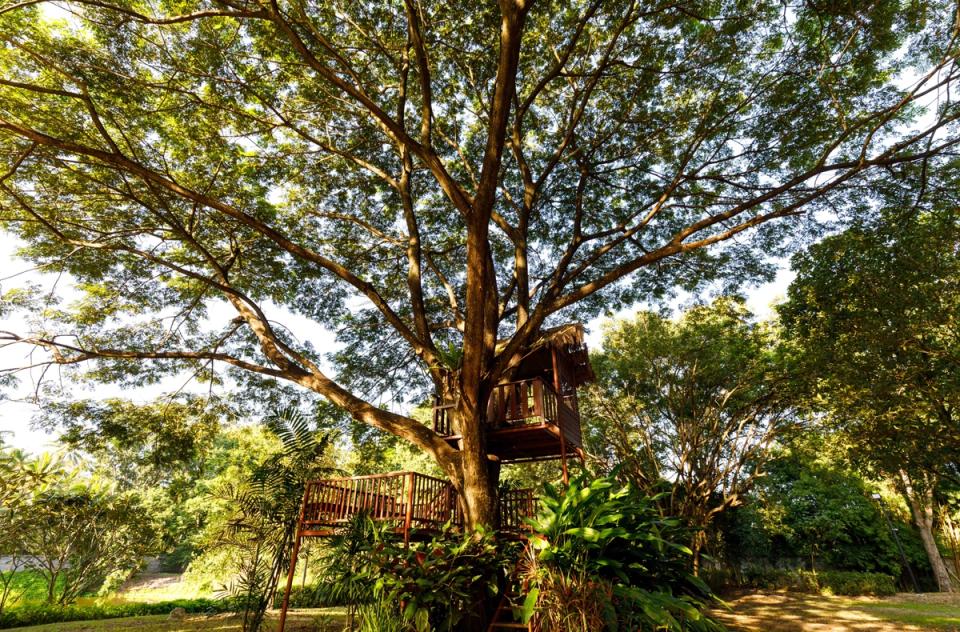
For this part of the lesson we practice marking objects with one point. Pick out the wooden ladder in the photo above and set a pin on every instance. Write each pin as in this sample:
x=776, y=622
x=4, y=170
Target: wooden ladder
x=503, y=617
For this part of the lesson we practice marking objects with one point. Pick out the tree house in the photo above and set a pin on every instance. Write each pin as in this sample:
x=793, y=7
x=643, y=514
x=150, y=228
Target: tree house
x=535, y=416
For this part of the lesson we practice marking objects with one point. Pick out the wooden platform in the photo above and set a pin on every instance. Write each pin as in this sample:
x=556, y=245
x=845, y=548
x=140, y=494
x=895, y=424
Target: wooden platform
x=411, y=504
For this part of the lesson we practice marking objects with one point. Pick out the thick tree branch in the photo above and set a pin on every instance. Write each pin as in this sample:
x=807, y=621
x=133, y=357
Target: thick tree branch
x=125, y=164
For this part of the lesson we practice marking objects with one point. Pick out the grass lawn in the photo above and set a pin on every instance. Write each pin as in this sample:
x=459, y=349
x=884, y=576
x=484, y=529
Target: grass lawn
x=326, y=620
x=29, y=586
x=795, y=612
x=754, y=612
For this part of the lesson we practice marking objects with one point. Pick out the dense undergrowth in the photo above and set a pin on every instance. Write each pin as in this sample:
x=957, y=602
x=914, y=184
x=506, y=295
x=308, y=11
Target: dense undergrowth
x=846, y=583
x=601, y=558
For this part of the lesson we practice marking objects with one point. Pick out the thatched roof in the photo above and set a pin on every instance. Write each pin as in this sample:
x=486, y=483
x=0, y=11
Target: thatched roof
x=559, y=337
x=570, y=334
x=568, y=340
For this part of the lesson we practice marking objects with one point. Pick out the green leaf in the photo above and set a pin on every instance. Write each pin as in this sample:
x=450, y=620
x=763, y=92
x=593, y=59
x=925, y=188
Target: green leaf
x=529, y=607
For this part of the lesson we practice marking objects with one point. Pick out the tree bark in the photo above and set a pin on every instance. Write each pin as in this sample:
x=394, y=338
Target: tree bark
x=696, y=546
x=478, y=481
x=921, y=505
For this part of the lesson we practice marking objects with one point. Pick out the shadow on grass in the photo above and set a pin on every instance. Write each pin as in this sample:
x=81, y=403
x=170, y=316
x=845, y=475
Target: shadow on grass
x=793, y=612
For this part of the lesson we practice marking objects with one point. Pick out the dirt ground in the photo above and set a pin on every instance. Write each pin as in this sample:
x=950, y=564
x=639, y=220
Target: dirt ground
x=793, y=612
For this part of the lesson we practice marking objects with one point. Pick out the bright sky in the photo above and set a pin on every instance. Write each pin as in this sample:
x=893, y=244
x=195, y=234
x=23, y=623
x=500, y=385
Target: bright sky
x=15, y=413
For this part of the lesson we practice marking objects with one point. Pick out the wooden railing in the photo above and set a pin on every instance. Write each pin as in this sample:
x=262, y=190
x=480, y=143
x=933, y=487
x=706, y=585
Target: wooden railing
x=516, y=505
x=403, y=500
x=520, y=403
x=532, y=401
x=406, y=500
x=441, y=420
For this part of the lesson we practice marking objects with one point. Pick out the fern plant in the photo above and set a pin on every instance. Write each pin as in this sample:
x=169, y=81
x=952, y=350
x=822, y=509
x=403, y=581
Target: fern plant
x=348, y=578
x=266, y=509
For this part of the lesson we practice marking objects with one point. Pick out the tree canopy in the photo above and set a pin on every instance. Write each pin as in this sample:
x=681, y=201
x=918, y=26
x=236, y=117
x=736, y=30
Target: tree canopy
x=696, y=401
x=872, y=317
x=425, y=178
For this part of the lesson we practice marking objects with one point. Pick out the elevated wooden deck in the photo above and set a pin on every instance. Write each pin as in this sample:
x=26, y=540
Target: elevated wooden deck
x=527, y=421
x=410, y=504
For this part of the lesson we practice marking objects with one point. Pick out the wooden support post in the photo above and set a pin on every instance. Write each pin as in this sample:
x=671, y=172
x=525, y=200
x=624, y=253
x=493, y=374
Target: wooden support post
x=408, y=519
x=563, y=456
x=293, y=562
x=556, y=371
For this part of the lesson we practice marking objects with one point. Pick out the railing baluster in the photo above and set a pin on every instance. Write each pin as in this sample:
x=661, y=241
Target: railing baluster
x=335, y=514
x=515, y=402
x=334, y=498
x=538, y=409
x=353, y=500
x=524, y=402
x=326, y=494
x=350, y=502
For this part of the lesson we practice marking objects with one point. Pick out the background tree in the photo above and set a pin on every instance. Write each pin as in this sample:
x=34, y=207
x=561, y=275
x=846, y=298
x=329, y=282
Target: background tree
x=257, y=529
x=815, y=511
x=75, y=532
x=161, y=451
x=688, y=405
x=162, y=443
x=21, y=477
x=873, y=318
x=949, y=519
x=428, y=177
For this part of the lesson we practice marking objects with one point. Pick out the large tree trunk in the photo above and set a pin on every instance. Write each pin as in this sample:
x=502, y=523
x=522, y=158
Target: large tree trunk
x=478, y=481
x=921, y=505
x=477, y=485
x=696, y=546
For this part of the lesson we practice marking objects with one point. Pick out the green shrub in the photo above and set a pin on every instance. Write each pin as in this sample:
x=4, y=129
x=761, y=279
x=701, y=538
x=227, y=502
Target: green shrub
x=428, y=585
x=765, y=578
x=605, y=559
x=851, y=583
x=848, y=583
x=443, y=580
x=39, y=614
x=312, y=596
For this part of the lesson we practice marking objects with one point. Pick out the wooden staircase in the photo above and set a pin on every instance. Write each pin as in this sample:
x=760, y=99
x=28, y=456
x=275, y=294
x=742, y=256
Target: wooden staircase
x=506, y=616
